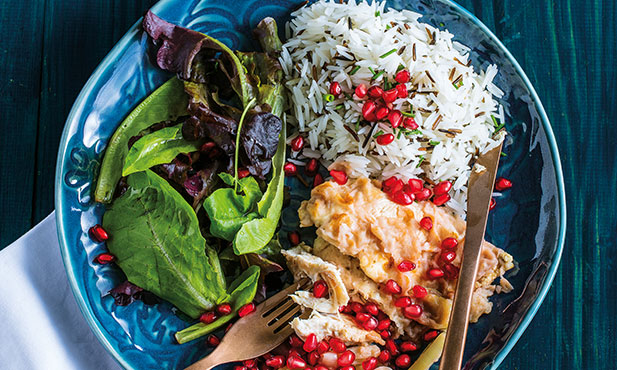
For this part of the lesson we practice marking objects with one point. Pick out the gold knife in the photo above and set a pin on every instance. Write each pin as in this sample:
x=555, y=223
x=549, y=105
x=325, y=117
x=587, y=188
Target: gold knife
x=479, y=193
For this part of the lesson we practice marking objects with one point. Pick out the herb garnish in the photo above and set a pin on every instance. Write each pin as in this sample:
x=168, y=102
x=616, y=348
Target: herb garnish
x=433, y=142
x=421, y=160
x=328, y=97
x=384, y=55
x=378, y=134
x=377, y=75
x=237, y=156
x=354, y=70
x=408, y=114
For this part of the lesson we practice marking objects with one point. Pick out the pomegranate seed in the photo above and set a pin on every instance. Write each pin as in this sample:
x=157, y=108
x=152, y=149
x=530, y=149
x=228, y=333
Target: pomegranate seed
x=323, y=347
x=430, y=335
x=503, y=184
x=350, y=367
x=276, y=362
x=362, y=317
x=385, y=139
x=344, y=309
x=207, y=146
x=408, y=346
x=313, y=358
x=367, y=108
x=419, y=291
x=381, y=315
x=385, y=334
x=451, y=271
x=356, y=307
x=392, y=287
x=410, y=123
x=294, y=363
x=441, y=199
x=318, y=180
x=240, y=367
x=104, y=258
x=435, y=273
x=448, y=256
x=375, y=92
x=98, y=233
x=290, y=169
x=381, y=113
x=361, y=91
x=312, y=166
x=294, y=352
x=310, y=343
x=213, y=340
x=449, y=243
x=384, y=357
x=246, y=309
x=249, y=363
x=335, y=89
x=402, y=76
x=320, y=367
x=223, y=309
x=371, y=117
x=403, y=361
x=346, y=358
x=337, y=345
x=297, y=143
x=402, y=198
x=243, y=172
x=412, y=311
x=392, y=185
x=229, y=327
x=339, y=177
x=294, y=238
x=392, y=347
x=390, y=95
x=370, y=324
x=426, y=223
x=401, y=91
x=406, y=266
x=423, y=194
x=295, y=341
x=320, y=290
x=384, y=324
x=493, y=204
x=442, y=188
x=415, y=185
x=402, y=302
x=329, y=359
x=208, y=317
x=371, y=308
x=369, y=364
x=395, y=117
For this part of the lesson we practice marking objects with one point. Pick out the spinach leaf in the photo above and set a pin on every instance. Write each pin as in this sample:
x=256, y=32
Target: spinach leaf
x=158, y=245
x=241, y=292
x=158, y=147
x=168, y=102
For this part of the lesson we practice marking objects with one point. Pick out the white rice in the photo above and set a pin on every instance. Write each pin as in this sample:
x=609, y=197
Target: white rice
x=319, y=33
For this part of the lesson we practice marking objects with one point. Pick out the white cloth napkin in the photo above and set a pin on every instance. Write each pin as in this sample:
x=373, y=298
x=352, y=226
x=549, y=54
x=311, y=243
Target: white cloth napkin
x=41, y=326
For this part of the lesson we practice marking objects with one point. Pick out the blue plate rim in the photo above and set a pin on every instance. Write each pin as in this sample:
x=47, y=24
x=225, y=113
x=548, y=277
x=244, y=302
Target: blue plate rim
x=99, y=331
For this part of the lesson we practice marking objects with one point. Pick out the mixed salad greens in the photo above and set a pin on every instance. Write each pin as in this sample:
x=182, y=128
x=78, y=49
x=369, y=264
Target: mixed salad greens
x=191, y=216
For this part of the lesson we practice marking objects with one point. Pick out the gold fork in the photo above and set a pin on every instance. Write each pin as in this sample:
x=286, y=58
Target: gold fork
x=258, y=333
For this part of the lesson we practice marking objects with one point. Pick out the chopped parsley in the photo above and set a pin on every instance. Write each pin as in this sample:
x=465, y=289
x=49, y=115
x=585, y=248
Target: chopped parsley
x=421, y=160
x=377, y=75
x=408, y=114
x=377, y=13
x=400, y=68
x=354, y=70
x=433, y=142
x=372, y=70
x=387, y=53
x=495, y=123
x=378, y=134
x=338, y=107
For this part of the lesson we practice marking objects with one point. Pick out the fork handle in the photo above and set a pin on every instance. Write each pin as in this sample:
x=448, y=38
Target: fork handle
x=208, y=362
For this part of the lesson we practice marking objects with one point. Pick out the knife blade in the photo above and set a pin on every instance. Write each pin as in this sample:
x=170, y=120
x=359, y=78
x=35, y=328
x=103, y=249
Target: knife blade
x=479, y=194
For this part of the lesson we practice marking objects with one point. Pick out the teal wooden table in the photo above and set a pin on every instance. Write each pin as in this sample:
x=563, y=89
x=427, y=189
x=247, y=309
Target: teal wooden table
x=568, y=48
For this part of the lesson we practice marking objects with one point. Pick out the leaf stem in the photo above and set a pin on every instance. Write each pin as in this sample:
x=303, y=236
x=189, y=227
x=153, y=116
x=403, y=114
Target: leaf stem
x=246, y=109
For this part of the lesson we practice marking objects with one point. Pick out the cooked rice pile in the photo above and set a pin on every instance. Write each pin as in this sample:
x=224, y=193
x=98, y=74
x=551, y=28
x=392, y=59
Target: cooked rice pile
x=453, y=105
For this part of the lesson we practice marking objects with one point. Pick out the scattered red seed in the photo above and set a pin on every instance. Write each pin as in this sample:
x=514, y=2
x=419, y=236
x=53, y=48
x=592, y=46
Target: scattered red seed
x=392, y=185
x=104, y=258
x=392, y=287
x=441, y=199
x=295, y=362
x=339, y=177
x=435, y=273
x=385, y=139
x=368, y=108
x=213, y=340
x=423, y=194
x=384, y=324
x=295, y=341
x=375, y=92
x=297, y=143
x=369, y=364
x=362, y=317
x=390, y=95
x=249, y=363
x=337, y=345
x=449, y=243
x=492, y=205
x=442, y=188
x=310, y=343
x=356, y=307
x=381, y=113
x=402, y=302
x=318, y=180
x=335, y=89
x=412, y=311
x=350, y=367
x=408, y=346
x=313, y=358
x=361, y=91
x=415, y=185
x=385, y=334
x=321, y=367
x=451, y=271
x=419, y=291
x=323, y=347
x=392, y=347
x=503, y=184
x=402, y=76
x=403, y=361
x=223, y=309
x=240, y=367
x=410, y=123
x=403, y=198
x=448, y=256
x=98, y=233
x=395, y=117
x=243, y=172
x=402, y=91
x=312, y=166
x=290, y=169
x=246, y=309
x=208, y=317
x=346, y=358
x=384, y=357
x=370, y=324
x=426, y=223
x=430, y=335
x=406, y=266
x=320, y=290
x=276, y=362
x=294, y=238
x=371, y=308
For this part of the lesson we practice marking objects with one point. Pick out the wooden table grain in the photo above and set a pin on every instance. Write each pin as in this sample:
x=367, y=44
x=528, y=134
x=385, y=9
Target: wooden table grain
x=568, y=48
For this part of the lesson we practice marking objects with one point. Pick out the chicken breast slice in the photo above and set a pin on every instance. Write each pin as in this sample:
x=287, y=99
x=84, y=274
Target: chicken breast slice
x=326, y=325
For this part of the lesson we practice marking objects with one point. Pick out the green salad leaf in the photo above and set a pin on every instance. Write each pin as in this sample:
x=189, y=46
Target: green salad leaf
x=158, y=245
x=241, y=292
x=158, y=147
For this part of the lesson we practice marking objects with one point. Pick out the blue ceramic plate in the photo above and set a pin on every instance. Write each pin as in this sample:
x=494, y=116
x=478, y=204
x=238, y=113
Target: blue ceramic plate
x=529, y=222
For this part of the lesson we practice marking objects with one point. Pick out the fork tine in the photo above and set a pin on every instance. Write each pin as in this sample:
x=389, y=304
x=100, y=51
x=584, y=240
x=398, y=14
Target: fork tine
x=286, y=318
x=274, y=313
